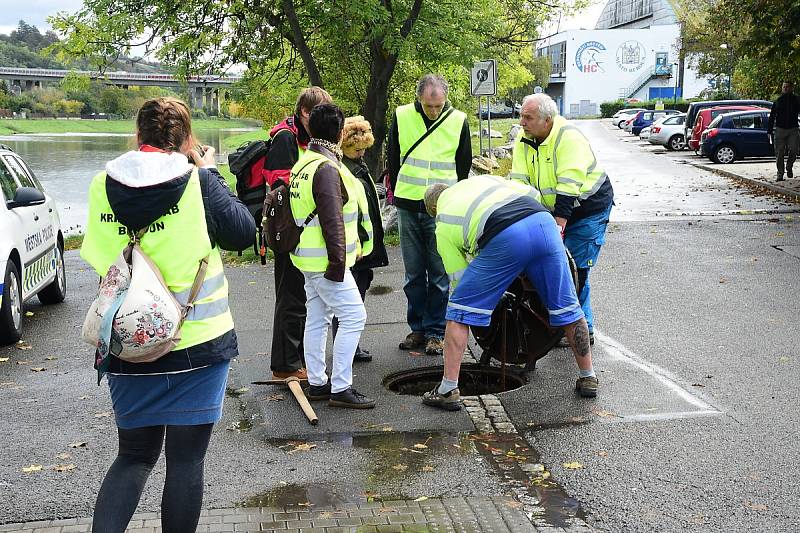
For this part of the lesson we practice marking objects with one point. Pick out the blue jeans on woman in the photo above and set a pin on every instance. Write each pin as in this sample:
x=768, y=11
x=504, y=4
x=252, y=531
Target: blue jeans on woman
x=426, y=284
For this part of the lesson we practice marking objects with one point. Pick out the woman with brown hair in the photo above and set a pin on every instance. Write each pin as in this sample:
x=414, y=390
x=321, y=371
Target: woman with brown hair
x=174, y=193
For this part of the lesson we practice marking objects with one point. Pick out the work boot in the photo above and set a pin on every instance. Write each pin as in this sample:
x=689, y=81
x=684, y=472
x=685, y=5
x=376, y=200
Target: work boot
x=449, y=402
x=319, y=392
x=351, y=399
x=361, y=356
x=587, y=387
x=300, y=374
x=434, y=346
x=564, y=343
x=413, y=341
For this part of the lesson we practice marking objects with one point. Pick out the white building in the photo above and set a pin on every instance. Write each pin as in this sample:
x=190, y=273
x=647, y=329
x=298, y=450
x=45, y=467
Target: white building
x=632, y=53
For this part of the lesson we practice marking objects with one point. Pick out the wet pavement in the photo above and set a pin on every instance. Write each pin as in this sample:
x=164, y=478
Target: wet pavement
x=693, y=428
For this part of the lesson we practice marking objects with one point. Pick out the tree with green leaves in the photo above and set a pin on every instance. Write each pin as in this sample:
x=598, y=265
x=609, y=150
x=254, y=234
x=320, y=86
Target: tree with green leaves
x=367, y=54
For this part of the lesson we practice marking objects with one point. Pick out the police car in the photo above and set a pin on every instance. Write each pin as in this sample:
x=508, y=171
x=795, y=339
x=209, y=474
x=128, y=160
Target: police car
x=31, y=244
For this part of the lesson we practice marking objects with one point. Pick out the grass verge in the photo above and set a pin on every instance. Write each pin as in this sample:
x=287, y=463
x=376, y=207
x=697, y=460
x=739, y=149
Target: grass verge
x=73, y=242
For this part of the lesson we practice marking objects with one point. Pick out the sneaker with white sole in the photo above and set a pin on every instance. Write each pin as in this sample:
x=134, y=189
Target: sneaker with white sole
x=450, y=401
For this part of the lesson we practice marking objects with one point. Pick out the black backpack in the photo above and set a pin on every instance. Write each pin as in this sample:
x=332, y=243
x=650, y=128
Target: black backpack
x=247, y=165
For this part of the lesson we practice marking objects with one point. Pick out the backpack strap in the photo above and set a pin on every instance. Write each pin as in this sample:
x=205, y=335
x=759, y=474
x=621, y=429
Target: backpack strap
x=427, y=133
x=198, y=282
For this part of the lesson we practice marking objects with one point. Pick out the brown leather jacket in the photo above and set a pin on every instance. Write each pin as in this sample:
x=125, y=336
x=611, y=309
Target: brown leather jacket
x=330, y=196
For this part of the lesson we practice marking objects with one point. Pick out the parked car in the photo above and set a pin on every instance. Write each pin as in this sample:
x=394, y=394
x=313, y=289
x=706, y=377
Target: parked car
x=737, y=135
x=645, y=118
x=504, y=110
x=629, y=123
x=668, y=132
x=623, y=115
x=706, y=115
x=695, y=107
x=31, y=245
x=644, y=134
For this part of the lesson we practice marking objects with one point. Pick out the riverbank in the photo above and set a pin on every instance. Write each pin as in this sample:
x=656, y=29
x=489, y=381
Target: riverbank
x=59, y=126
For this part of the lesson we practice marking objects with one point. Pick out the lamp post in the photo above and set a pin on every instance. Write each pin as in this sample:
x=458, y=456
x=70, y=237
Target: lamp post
x=675, y=89
x=726, y=46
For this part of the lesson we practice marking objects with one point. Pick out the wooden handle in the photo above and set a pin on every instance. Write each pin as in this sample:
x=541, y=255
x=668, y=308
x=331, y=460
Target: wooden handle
x=297, y=390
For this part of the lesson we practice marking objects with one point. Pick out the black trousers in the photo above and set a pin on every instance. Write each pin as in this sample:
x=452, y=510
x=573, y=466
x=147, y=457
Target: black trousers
x=290, y=316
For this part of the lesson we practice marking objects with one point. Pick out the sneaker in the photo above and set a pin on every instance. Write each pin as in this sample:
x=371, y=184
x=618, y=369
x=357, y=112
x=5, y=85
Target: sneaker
x=434, y=346
x=319, y=392
x=564, y=343
x=587, y=387
x=449, y=402
x=350, y=398
x=300, y=374
x=779, y=178
x=413, y=341
x=362, y=356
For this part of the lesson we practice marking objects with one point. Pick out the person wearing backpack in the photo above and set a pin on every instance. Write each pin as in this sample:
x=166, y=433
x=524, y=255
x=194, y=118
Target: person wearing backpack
x=356, y=138
x=188, y=215
x=289, y=140
x=323, y=189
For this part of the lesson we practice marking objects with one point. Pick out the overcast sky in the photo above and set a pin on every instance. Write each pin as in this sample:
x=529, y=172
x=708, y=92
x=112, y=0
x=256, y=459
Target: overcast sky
x=36, y=12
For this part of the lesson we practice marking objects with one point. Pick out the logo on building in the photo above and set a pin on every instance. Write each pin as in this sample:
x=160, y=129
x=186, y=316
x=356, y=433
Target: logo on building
x=630, y=56
x=589, y=57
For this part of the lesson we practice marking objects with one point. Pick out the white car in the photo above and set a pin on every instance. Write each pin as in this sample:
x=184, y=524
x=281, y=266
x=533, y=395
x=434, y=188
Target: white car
x=668, y=132
x=31, y=245
x=644, y=134
x=622, y=115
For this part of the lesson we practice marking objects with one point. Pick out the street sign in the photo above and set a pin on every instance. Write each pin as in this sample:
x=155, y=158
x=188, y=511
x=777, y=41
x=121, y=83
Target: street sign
x=483, y=81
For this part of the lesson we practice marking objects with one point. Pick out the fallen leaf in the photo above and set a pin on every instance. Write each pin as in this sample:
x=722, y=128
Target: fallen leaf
x=32, y=468
x=513, y=504
x=276, y=397
x=602, y=453
x=83, y=397
x=50, y=358
x=22, y=345
x=63, y=456
x=573, y=466
x=241, y=390
x=415, y=354
x=305, y=504
x=697, y=385
x=64, y=468
x=428, y=468
x=79, y=444
x=303, y=447
x=400, y=467
x=420, y=447
x=421, y=499
x=3, y=359
x=605, y=414
x=38, y=369
x=723, y=280
x=104, y=414
x=755, y=506
x=23, y=362
x=387, y=428
x=780, y=234
x=28, y=313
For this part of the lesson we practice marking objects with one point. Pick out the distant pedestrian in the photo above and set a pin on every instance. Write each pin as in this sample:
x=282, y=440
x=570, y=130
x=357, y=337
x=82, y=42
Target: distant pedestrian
x=174, y=401
x=783, y=129
x=429, y=143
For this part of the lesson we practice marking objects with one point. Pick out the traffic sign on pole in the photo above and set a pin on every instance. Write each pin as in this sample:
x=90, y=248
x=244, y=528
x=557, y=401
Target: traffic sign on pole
x=483, y=78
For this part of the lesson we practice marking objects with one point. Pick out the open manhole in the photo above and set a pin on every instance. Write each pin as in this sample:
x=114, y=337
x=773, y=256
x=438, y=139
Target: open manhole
x=473, y=380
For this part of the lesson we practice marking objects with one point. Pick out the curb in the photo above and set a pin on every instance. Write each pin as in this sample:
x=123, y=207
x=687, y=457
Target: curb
x=767, y=185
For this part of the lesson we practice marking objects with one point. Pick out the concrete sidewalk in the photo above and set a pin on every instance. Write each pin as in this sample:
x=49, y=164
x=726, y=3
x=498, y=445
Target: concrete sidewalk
x=759, y=173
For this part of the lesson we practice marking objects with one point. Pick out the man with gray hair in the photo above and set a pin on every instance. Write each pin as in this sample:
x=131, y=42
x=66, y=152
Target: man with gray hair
x=429, y=142
x=554, y=157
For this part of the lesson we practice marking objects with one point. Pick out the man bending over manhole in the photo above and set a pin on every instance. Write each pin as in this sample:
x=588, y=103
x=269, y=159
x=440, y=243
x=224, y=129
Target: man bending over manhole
x=488, y=231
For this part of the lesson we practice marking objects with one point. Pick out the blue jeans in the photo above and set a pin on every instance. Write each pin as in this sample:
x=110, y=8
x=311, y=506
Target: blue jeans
x=426, y=284
x=584, y=238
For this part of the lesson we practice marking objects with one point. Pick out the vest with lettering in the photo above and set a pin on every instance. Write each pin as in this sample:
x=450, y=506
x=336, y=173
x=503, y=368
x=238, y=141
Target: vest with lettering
x=176, y=242
x=434, y=159
x=311, y=254
x=564, y=163
x=461, y=214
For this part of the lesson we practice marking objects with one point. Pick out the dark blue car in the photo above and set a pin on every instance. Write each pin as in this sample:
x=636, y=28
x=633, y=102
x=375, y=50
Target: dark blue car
x=646, y=118
x=737, y=135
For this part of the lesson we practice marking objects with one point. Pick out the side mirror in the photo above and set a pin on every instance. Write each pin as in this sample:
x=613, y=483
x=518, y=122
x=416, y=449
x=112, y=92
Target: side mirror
x=26, y=196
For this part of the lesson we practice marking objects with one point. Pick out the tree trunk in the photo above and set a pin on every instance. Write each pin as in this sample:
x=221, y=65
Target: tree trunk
x=376, y=105
x=299, y=42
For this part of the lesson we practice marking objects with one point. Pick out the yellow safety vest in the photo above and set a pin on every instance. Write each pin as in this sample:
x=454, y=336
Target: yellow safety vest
x=433, y=161
x=564, y=163
x=176, y=242
x=311, y=254
x=461, y=214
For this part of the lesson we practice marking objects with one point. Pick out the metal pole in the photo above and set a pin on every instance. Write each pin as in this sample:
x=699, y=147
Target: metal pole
x=489, y=120
x=480, y=128
x=730, y=70
x=675, y=90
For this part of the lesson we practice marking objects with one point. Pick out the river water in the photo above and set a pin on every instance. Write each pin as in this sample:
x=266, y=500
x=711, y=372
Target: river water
x=66, y=164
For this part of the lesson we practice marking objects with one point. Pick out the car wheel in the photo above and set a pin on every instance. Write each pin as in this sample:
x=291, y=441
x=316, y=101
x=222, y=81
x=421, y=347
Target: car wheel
x=676, y=142
x=11, y=309
x=724, y=154
x=57, y=290
x=620, y=124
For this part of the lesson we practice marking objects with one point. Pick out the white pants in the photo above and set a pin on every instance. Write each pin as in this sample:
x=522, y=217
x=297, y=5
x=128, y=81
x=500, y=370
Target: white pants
x=324, y=299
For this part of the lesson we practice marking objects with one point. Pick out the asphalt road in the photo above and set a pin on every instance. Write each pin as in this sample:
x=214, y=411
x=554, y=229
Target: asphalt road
x=695, y=427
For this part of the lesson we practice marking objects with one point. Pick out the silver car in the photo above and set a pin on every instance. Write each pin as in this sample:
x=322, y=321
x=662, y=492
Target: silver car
x=644, y=134
x=668, y=132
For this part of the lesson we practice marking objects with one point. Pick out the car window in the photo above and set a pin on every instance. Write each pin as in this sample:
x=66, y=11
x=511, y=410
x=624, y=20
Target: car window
x=715, y=123
x=24, y=166
x=22, y=177
x=647, y=116
x=673, y=120
x=7, y=183
x=746, y=122
x=760, y=122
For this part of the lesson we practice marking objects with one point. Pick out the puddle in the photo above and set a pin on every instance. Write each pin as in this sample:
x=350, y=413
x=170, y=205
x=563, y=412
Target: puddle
x=518, y=466
x=473, y=380
x=380, y=289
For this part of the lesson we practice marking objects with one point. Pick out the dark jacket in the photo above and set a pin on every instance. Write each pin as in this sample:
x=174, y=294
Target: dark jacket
x=378, y=257
x=463, y=157
x=230, y=226
x=784, y=112
x=283, y=150
x=330, y=196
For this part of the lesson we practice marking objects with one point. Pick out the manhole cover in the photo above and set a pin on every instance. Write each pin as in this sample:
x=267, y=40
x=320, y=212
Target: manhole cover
x=472, y=381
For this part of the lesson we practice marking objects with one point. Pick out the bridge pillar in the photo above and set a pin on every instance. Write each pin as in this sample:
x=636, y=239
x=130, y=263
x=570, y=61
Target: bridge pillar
x=196, y=96
x=215, y=101
x=28, y=85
